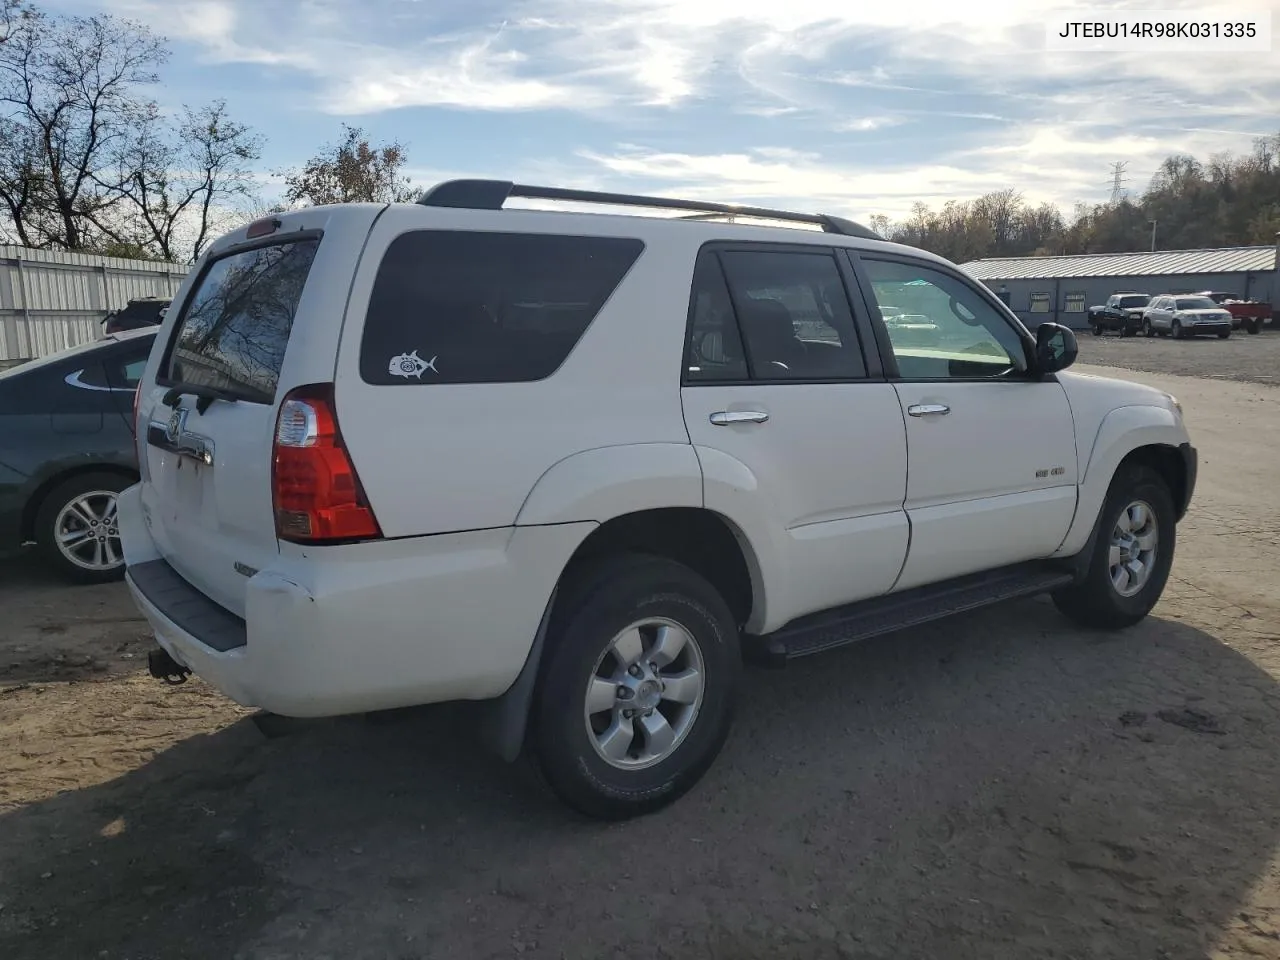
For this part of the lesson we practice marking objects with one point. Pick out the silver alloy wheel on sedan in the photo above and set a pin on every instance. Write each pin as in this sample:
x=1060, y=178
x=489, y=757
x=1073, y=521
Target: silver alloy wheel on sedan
x=87, y=532
x=644, y=693
x=1134, y=541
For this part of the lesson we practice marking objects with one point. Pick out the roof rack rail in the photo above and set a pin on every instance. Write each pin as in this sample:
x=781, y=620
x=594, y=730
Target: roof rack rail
x=492, y=194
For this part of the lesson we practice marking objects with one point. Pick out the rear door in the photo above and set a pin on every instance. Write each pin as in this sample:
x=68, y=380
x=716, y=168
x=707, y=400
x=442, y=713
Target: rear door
x=776, y=379
x=259, y=317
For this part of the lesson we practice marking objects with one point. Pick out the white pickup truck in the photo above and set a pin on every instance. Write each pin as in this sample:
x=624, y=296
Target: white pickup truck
x=578, y=467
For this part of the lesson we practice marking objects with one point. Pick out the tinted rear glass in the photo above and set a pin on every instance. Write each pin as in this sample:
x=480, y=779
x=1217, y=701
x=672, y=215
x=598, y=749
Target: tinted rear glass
x=472, y=307
x=235, y=325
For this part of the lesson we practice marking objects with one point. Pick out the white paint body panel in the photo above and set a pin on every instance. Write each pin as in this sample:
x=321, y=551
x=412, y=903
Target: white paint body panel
x=826, y=473
x=373, y=626
x=973, y=494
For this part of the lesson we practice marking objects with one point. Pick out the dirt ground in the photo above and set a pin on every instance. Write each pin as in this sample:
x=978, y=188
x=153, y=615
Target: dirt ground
x=998, y=786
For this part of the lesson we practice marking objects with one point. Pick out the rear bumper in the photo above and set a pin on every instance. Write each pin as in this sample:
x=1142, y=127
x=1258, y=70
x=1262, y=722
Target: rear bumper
x=361, y=627
x=1191, y=464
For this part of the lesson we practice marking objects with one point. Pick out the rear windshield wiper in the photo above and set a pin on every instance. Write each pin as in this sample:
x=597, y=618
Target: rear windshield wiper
x=204, y=396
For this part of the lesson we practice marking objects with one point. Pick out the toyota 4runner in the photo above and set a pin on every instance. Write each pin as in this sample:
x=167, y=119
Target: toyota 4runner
x=578, y=467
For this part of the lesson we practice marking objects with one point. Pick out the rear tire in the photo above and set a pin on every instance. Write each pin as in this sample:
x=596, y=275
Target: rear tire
x=76, y=528
x=1131, y=558
x=613, y=623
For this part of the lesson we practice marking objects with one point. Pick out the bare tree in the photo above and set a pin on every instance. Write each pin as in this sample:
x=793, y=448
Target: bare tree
x=180, y=182
x=68, y=95
x=352, y=171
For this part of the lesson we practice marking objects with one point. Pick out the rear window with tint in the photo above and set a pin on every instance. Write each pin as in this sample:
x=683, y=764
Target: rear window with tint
x=236, y=323
x=473, y=307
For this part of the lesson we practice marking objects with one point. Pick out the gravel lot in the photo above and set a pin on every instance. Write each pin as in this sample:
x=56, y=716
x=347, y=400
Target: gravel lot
x=1253, y=359
x=999, y=786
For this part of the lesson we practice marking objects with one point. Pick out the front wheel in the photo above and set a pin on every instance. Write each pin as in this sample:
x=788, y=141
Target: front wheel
x=1147, y=330
x=1176, y=330
x=1131, y=558
x=636, y=693
x=1097, y=329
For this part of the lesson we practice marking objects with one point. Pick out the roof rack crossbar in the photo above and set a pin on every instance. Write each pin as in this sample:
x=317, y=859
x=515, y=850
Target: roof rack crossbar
x=492, y=194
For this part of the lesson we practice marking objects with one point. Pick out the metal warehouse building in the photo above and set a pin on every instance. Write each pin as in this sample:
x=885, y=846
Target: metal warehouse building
x=1061, y=289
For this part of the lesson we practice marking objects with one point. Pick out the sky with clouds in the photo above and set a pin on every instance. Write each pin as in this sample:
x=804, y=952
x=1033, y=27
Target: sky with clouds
x=855, y=107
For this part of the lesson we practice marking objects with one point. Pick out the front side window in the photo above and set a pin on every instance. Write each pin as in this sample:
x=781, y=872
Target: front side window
x=793, y=314
x=236, y=324
x=969, y=339
x=473, y=307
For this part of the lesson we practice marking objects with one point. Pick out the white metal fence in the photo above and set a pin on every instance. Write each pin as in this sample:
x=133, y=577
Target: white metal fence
x=51, y=300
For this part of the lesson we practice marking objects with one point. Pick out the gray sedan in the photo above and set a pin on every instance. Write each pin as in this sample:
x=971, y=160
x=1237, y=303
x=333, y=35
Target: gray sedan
x=1185, y=317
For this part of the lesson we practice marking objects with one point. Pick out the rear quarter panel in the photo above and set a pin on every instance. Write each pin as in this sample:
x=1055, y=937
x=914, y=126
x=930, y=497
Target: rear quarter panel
x=437, y=458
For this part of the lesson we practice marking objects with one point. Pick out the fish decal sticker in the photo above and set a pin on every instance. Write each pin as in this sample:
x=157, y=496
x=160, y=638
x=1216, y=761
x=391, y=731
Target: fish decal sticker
x=411, y=365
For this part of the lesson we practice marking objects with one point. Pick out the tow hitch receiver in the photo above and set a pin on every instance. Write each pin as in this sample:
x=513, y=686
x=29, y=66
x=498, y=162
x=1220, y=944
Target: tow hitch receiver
x=164, y=667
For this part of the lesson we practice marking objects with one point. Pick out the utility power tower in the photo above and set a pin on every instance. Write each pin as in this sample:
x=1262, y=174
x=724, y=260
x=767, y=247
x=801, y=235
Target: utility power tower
x=1118, y=180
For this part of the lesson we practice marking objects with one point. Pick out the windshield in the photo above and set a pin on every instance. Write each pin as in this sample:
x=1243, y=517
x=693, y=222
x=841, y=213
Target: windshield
x=1196, y=303
x=1138, y=301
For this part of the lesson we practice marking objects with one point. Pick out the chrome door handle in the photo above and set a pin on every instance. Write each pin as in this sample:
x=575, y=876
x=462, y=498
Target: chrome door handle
x=724, y=418
x=928, y=409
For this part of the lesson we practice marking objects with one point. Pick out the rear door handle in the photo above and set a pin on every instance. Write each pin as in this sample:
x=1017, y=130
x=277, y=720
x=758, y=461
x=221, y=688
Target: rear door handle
x=724, y=418
x=928, y=409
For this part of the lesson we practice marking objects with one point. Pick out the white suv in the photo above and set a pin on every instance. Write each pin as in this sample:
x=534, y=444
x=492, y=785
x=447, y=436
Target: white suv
x=578, y=466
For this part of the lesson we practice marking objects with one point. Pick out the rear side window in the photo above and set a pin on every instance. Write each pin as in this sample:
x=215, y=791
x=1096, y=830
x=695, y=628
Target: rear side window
x=235, y=325
x=474, y=307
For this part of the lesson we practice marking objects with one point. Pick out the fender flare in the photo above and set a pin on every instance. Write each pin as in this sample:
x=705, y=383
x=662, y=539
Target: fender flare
x=606, y=482
x=1121, y=432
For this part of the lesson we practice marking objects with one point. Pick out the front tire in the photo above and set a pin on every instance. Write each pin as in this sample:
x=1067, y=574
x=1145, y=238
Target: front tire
x=77, y=530
x=636, y=694
x=1131, y=558
x=1147, y=330
x=1176, y=330
x=1097, y=329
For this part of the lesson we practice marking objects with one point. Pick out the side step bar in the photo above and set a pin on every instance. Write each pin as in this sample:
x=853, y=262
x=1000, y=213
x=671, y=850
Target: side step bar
x=829, y=629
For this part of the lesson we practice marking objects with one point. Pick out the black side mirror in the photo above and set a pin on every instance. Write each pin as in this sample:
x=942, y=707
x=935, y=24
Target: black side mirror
x=1056, y=348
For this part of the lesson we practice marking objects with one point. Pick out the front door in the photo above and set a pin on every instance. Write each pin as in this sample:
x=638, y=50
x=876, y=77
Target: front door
x=800, y=448
x=991, y=450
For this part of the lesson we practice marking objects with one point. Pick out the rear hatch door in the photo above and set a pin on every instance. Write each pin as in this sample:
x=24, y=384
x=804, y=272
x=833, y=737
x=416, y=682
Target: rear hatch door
x=256, y=318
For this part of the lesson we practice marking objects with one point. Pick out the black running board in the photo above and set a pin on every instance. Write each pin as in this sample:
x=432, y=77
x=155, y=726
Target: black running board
x=819, y=632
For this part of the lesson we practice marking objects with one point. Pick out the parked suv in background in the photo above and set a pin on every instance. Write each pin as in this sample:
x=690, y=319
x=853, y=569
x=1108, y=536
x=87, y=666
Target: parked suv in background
x=1185, y=316
x=576, y=466
x=67, y=450
x=1122, y=312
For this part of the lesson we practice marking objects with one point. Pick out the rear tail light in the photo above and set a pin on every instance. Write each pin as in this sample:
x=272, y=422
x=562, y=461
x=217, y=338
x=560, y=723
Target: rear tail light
x=316, y=493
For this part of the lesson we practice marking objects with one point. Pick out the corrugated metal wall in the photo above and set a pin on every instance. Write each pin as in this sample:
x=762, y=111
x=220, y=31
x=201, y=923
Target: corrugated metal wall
x=50, y=300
